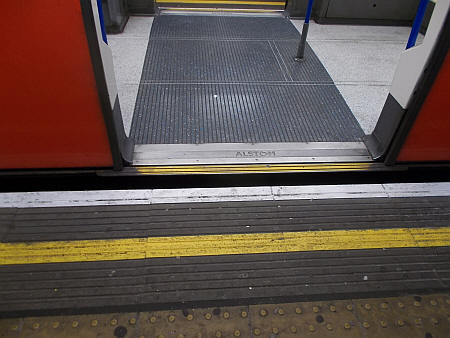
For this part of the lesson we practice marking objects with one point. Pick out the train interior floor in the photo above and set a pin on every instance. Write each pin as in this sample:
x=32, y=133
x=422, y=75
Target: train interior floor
x=180, y=72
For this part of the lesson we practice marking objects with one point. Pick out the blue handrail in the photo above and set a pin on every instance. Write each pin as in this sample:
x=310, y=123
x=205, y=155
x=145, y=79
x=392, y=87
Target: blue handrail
x=417, y=23
x=102, y=21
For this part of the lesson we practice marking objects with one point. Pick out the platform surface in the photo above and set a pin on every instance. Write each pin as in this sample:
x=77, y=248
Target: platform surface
x=194, y=248
x=226, y=79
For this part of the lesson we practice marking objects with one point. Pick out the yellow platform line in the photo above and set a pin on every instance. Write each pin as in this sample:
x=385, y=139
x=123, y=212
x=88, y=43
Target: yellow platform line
x=252, y=168
x=210, y=245
x=231, y=2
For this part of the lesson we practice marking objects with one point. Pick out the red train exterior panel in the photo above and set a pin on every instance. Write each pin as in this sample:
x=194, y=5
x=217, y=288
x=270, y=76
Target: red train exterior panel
x=429, y=138
x=50, y=109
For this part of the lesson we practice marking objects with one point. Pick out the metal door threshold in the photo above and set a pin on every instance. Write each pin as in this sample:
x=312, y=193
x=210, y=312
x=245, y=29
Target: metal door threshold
x=241, y=153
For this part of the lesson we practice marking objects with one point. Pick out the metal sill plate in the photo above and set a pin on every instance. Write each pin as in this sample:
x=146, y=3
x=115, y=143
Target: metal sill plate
x=241, y=153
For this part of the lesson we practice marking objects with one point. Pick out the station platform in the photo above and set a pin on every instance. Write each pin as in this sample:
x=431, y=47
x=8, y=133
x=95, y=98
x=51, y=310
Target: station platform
x=118, y=257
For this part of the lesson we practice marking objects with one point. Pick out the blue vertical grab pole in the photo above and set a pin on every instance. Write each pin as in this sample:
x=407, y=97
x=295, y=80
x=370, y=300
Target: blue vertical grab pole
x=102, y=21
x=301, y=46
x=417, y=23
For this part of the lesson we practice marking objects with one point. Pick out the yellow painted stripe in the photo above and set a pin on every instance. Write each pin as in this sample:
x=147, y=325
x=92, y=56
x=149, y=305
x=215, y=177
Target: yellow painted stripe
x=210, y=245
x=231, y=2
x=251, y=168
x=252, y=10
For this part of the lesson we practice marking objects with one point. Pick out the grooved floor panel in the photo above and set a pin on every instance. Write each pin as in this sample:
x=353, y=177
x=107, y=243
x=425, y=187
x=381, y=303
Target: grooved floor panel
x=220, y=113
x=233, y=79
x=222, y=27
x=211, y=280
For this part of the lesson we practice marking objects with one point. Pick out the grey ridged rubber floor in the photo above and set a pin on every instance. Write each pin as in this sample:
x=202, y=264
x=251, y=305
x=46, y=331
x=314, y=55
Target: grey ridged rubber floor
x=213, y=79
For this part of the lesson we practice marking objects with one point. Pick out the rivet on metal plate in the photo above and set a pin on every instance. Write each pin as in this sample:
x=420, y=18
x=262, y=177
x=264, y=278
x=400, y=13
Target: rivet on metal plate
x=294, y=329
x=316, y=309
x=226, y=315
x=263, y=312
x=332, y=308
x=433, y=302
x=189, y=317
x=400, y=323
x=94, y=322
x=298, y=310
x=347, y=326
x=55, y=325
x=281, y=312
x=366, y=325
x=132, y=321
x=329, y=327
x=113, y=322
x=383, y=323
x=367, y=306
x=275, y=330
x=153, y=319
x=244, y=314
x=256, y=332
x=218, y=334
x=171, y=318
x=208, y=316
x=349, y=307
x=237, y=333
x=36, y=326
x=74, y=324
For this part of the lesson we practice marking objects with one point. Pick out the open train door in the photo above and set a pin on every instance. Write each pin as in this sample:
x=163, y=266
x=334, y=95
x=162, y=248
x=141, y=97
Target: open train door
x=59, y=103
x=414, y=125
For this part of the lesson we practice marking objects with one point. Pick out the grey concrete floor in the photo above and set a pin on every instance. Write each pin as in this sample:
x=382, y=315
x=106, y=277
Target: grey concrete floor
x=360, y=59
x=128, y=49
x=362, y=62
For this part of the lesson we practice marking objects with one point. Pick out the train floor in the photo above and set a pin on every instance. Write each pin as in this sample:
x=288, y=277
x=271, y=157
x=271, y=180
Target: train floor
x=213, y=89
x=274, y=261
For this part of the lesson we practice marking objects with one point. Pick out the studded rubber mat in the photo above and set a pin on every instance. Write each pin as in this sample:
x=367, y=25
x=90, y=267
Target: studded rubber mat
x=219, y=79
